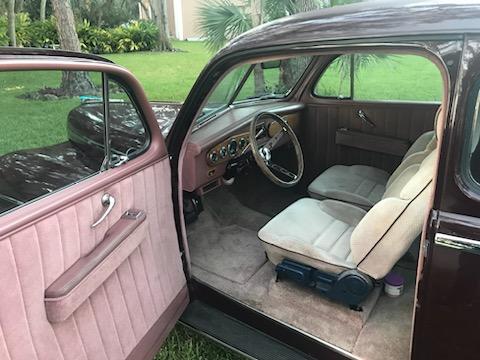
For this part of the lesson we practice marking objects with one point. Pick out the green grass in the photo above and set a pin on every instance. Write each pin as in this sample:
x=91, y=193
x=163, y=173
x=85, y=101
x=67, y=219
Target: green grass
x=184, y=344
x=166, y=76
x=399, y=77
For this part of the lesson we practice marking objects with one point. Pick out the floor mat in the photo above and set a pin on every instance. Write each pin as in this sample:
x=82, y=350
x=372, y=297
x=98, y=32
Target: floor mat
x=232, y=252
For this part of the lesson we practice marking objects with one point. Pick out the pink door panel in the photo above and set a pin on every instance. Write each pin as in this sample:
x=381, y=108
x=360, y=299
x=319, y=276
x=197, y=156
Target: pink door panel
x=125, y=288
x=121, y=310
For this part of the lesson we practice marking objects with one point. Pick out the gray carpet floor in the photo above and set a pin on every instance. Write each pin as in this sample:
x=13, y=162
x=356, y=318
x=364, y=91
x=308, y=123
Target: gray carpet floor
x=227, y=255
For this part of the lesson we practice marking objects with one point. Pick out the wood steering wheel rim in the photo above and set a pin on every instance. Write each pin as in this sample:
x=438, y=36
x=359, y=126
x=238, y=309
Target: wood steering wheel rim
x=261, y=155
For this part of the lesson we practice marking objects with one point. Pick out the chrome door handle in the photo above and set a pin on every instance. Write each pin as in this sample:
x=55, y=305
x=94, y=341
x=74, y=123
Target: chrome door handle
x=108, y=202
x=361, y=114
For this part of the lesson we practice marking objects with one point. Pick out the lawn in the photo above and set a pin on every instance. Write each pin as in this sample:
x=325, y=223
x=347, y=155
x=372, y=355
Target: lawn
x=166, y=76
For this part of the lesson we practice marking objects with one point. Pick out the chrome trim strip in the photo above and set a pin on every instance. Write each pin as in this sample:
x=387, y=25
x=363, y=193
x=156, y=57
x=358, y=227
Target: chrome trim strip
x=457, y=242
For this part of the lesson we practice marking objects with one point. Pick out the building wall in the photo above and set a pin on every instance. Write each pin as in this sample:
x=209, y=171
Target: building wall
x=183, y=17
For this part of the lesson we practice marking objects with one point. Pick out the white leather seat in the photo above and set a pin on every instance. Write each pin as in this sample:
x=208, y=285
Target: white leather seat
x=365, y=185
x=333, y=236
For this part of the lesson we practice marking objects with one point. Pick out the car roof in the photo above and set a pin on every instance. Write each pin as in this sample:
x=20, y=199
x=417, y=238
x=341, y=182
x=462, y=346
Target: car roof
x=369, y=20
x=28, y=53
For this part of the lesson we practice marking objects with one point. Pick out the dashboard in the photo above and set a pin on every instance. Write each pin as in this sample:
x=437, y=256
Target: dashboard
x=226, y=137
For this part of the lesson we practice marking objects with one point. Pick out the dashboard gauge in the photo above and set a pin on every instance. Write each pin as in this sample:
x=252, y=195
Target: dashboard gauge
x=232, y=147
x=223, y=152
x=213, y=156
x=242, y=143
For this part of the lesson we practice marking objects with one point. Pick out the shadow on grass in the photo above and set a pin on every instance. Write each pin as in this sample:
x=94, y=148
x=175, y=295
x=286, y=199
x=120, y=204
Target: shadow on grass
x=185, y=344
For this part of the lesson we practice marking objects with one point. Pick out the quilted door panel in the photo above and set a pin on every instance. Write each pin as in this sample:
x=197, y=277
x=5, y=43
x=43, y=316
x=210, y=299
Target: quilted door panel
x=119, y=313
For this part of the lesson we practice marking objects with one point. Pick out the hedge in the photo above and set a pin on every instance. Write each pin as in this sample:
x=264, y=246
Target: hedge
x=132, y=36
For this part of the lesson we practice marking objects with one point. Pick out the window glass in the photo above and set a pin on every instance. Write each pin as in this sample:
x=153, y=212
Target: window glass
x=472, y=146
x=128, y=135
x=220, y=97
x=335, y=81
x=256, y=81
x=53, y=131
x=379, y=77
x=273, y=79
x=43, y=145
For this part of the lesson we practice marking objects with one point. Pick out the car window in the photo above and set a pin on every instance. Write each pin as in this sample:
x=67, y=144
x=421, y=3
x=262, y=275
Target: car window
x=273, y=79
x=222, y=94
x=53, y=131
x=471, y=151
x=374, y=77
x=254, y=82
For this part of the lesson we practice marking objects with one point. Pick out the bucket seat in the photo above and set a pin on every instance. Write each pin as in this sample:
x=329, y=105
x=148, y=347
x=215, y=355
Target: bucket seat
x=365, y=185
x=335, y=236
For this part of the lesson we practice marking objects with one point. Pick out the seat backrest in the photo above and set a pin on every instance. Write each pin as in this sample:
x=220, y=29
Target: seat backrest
x=419, y=150
x=386, y=232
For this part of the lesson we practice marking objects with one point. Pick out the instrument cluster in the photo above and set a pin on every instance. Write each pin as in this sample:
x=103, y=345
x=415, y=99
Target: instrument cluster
x=228, y=149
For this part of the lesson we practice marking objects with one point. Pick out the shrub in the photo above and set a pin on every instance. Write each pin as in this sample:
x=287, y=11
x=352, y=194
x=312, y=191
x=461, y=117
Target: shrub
x=132, y=36
x=22, y=24
x=135, y=36
x=43, y=33
x=95, y=40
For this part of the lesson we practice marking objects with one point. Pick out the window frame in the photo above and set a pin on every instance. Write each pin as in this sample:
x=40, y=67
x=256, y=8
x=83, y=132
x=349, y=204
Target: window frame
x=469, y=184
x=318, y=76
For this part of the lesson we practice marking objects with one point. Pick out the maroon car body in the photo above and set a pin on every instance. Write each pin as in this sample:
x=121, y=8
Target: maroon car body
x=447, y=297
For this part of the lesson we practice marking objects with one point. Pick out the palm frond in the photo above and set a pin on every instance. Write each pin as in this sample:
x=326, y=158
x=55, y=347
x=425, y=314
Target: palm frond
x=221, y=21
x=275, y=9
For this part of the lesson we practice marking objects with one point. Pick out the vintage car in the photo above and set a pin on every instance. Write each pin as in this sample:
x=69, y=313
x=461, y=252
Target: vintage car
x=316, y=160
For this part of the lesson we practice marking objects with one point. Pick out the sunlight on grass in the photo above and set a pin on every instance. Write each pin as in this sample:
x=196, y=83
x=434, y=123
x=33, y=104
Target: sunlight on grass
x=184, y=344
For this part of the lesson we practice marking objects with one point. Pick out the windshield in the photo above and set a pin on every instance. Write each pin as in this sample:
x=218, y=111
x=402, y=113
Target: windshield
x=253, y=82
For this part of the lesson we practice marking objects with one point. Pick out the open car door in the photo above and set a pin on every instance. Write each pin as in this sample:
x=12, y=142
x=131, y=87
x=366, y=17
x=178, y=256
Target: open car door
x=90, y=266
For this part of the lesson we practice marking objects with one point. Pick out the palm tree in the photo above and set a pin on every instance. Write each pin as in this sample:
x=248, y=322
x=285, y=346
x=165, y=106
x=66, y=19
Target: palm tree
x=222, y=20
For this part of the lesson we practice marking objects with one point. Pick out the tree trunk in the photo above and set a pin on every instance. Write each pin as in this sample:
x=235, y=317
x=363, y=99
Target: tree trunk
x=73, y=82
x=12, y=35
x=258, y=76
x=67, y=34
x=289, y=69
x=43, y=9
x=160, y=14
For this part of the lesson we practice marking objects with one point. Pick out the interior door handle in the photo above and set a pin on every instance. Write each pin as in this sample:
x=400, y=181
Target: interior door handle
x=361, y=114
x=108, y=202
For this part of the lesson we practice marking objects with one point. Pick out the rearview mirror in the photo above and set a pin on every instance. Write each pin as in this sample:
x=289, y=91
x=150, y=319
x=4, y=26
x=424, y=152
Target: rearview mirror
x=275, y=64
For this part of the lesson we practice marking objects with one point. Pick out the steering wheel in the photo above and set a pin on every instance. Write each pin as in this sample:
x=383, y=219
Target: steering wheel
x=262, y=150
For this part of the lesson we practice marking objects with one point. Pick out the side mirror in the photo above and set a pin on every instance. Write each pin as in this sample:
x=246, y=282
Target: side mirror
x=275, y=64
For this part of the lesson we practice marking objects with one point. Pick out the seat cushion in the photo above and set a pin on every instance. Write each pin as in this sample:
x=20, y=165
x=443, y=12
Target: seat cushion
x=356, y=184
x=313, y=232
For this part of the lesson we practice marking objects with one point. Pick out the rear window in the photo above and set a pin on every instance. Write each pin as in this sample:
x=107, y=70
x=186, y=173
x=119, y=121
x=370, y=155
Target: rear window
x=381, y=77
